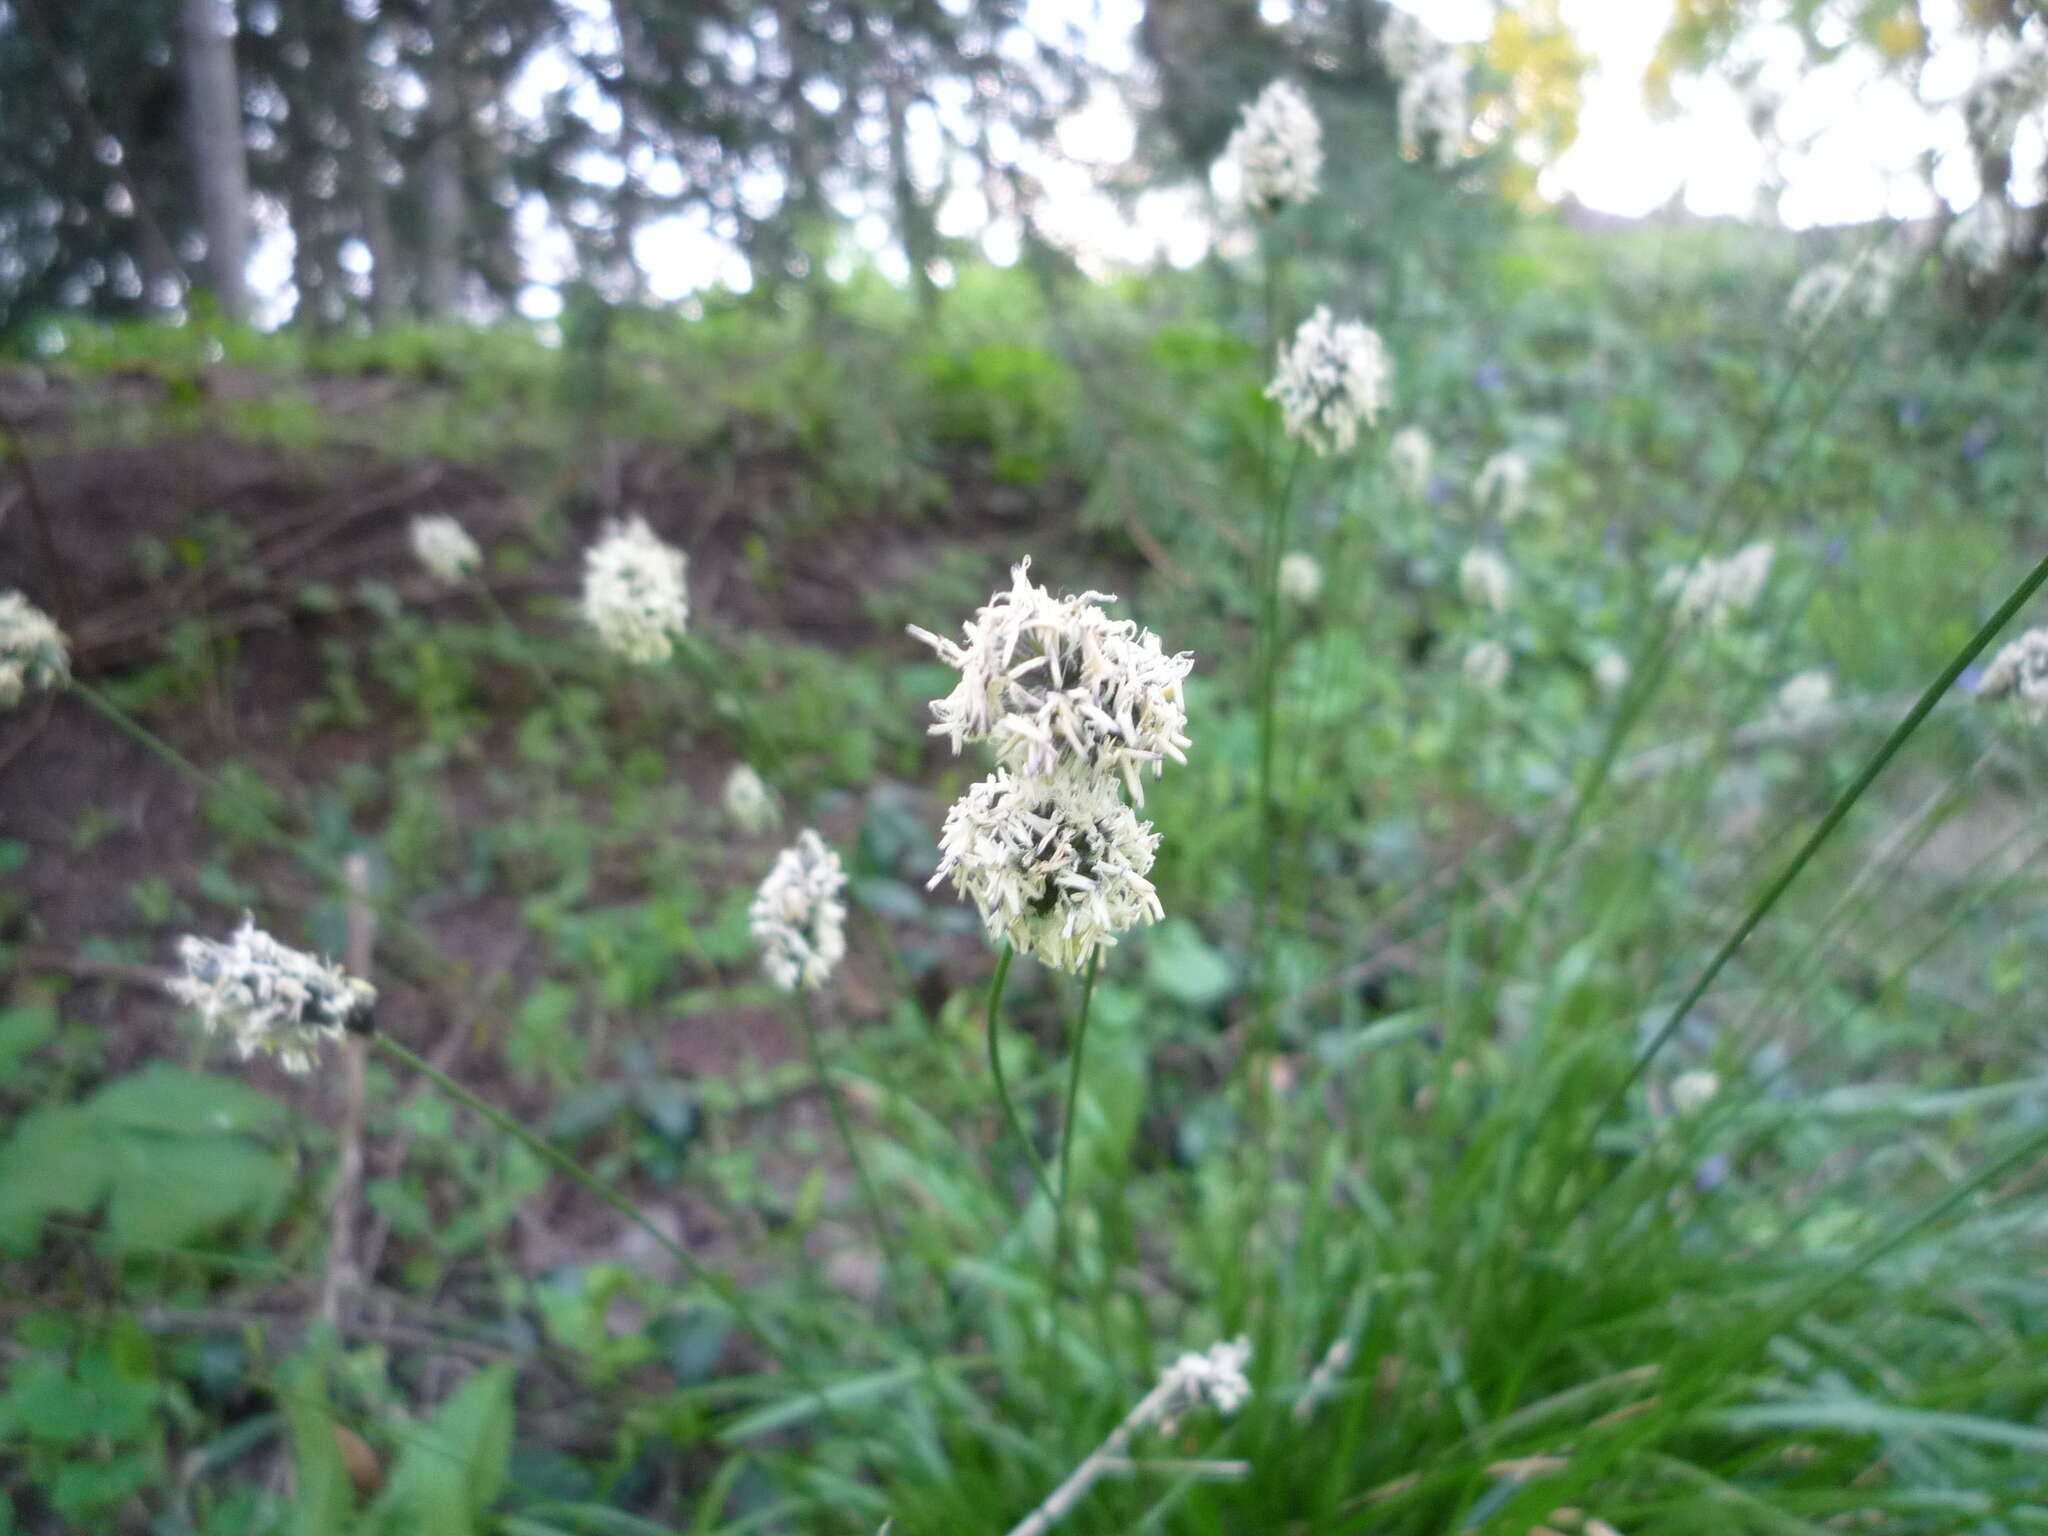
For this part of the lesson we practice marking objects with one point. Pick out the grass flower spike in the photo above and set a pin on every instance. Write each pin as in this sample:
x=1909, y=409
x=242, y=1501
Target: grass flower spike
x=1714, y=591
x=749, y=802
x=1055, y=683
x=635, y=592
x=1411, y=453
x=797, y=917
x=33, y=650
x=1804, y=698
x=1432, y=111
x=1056, y=865
x=1486, y=665
x=1277, y=150
x=1301, y=579
x=1484, y=579
x=1218, y=1376
x=2020, y=672
x=271, y=999
x=1503, y=486
x=445, y=548
x=1333, y=376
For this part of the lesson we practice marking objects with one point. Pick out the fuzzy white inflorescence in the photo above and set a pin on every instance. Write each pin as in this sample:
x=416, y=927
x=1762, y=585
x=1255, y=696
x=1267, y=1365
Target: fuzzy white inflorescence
x=1217, y=1375
x=1714, y=591
x=2020, y=672
x=1054, y=681
x=1502, y=486
x=1277, y=150
x=1805, y=697
x=1432, y=107
x=1484, y=579
x=1057, y=865
x=1693, y=1091
x=797, y=917
x=268, y=997
x=1331, y=377
x=1300, y=578
x=1486, y=665
x=1432, y=111
x=33, y=650
x=1410, y=454
x=444, y=547
x=749, y=801
x=1610, y=669
x=1867, y=285
x=2005, y=96
x=635, y=592
x=1983, y=237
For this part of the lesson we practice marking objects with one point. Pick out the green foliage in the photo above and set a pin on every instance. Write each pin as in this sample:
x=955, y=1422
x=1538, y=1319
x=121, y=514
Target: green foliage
x=173, y=1156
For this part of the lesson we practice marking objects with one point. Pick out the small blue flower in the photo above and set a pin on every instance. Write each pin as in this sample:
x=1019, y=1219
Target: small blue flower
x=1836, y=549
x=1912, y=411
x=1970, y=679
x=1439, y=491
x=1713, y=1172
x=1977, y=440
x=1489, y=376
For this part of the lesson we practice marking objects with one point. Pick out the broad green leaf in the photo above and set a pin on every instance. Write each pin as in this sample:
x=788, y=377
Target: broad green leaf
x=452, y=1468
x=324, y=1499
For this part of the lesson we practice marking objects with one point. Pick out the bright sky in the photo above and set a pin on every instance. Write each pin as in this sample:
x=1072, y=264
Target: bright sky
x=1852, y=146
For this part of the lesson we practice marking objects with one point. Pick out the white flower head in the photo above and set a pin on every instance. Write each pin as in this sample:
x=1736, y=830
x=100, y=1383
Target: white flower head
x=1330, y=378
x=1486, y=665
x=1744, y=573
x=1714, y=591
x=444, y=547
x=1815, y=295
x=2020, y=671
x=1057, y=865
x=1276, y=152
x=635, y=592
x=1432, y=111
x=749, y=801
x=33, y=650
x=1301, y=579
x=1502, y=486
x=1217, y=1375
x=1406, y=44
x=1055, y=681
x=1610, y=669
x=1982, y=239
x=797, y=917
x=1868, y=284
x=1804, y=697
x=2003, y=97
x=1484, y=579
x=1693, y=1091
x=1410, y=453
x=269, y=998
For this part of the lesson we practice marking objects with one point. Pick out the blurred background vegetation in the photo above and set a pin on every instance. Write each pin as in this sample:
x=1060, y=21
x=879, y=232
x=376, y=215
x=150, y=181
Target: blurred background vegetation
x=858, y=304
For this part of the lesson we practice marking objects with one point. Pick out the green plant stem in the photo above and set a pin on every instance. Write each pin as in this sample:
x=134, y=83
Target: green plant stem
x=1059, y=1250
x=721, y=1285
x=1836, y=813
x=995, y=1068
x=539, y=670
x=844, y=1125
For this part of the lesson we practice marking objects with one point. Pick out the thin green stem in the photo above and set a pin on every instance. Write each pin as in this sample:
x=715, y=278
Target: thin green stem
x=995, y=1068
x=1844, y=803
x=721, y=1285
x=840, y=1121
x=541, y=672
x=1059, y=1217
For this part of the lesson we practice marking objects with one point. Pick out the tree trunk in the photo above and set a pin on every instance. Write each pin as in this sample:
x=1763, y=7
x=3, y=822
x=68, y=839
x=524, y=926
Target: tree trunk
x=213, y=126
x=366, y=163
x=442, y=167
x=913, y=219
